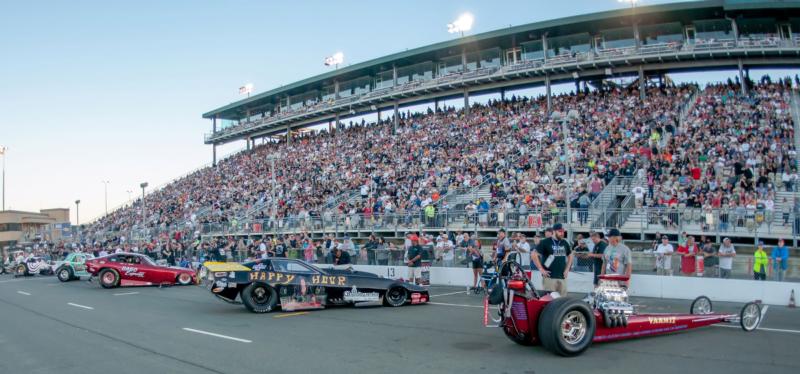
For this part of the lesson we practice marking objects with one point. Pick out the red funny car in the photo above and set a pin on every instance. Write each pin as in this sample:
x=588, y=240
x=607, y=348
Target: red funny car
x=567, y=326
x=130, y=269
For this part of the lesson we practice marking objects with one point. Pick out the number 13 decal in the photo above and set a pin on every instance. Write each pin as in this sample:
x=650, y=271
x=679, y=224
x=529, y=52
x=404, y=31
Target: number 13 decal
x=390, y=272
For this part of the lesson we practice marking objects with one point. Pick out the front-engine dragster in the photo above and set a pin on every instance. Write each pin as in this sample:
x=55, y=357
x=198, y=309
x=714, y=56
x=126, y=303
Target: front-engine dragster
x=567, y=326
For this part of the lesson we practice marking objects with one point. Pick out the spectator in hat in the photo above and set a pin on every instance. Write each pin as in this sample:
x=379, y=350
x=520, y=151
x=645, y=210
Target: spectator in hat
x=340, y=257
x=596, y=255
x=553, y=259
x=663, y=253
x=617, y=256
x=688, y=253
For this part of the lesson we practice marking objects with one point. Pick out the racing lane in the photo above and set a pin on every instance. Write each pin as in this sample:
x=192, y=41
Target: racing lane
x=79, y=327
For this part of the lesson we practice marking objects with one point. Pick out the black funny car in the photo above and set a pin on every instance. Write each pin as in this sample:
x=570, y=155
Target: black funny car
x=264, y=285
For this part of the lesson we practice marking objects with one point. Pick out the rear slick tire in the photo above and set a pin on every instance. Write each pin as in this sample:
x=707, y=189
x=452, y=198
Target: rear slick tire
x=259, y=298
x=566, y=326
x=109, y=278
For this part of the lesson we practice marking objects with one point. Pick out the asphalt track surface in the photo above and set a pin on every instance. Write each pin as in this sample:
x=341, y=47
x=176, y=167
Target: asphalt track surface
x=78, y=327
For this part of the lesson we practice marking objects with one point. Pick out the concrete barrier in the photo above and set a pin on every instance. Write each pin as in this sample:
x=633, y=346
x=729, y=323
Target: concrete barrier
x=686, y=288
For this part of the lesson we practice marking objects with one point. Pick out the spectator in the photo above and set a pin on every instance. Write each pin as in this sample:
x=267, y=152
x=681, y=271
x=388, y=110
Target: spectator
x=664, y=252
x=553, y=259
x=688, y=253
x=340, y=258
x=709, y=258
x=475, y=257
x=414, y=261
x=760, y=262
x=780, y=260
x=503, y=246
x=445, y=250
x=726, y=255
x=523, y=250
x=596, y=255
x=617, y=256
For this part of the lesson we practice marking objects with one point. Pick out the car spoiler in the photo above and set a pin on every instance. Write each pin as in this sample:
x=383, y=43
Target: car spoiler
x=224, y=266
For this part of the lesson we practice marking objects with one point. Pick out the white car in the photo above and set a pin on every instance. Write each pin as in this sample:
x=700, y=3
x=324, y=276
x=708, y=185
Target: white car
x=32, y=265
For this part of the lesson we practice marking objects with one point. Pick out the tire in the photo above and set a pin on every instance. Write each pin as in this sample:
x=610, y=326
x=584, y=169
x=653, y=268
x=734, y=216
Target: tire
x=750, y=316
x=395, y=296
x=566, y=313
x=259, y=297
x=64, y=274
x=184, y=279
x=21, y=271
x=701, y=305
x=109, y=278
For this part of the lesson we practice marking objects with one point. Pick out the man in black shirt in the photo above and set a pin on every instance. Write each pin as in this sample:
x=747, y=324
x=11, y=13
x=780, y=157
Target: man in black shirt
x=553, y=258
x=340, y=257
x=597, y=254
x=280, y=249
x=414, y=260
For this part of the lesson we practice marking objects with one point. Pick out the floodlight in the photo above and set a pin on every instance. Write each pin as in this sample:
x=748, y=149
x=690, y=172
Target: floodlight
x=461, y=24
x=335, y=59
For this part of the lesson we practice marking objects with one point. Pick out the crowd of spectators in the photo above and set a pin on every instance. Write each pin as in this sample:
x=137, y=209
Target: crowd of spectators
x=729, y=153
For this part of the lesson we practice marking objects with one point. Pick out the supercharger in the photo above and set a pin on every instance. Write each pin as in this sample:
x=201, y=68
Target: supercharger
x=611, y=299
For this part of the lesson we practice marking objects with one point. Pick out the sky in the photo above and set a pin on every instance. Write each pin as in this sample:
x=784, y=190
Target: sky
x=94, y=91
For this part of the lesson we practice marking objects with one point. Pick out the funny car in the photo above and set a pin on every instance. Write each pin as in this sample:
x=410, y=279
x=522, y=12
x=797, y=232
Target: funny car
x=267, y=284
x=32, y=265
x=567, y=326
x=131, y=269
x=72, y=267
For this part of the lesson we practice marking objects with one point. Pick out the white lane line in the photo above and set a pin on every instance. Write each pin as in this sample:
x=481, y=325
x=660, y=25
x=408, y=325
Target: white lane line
x=451, y=293
x=23, y=293
x=763, y=328
x=80, y=306
x=125, y=293
x=10, y=280
x=217, y=335
x=460, y=305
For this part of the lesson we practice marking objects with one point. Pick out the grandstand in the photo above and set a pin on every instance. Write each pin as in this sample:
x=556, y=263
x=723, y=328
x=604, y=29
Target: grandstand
x=650, y=157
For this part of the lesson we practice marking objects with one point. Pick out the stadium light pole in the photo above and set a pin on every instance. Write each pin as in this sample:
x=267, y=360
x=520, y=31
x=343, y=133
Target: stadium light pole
x=461, y=24
x=143, y=186
x=77, y=212
x=105, y=191
x=334, y=60
x=130, y=192
x=3, y=150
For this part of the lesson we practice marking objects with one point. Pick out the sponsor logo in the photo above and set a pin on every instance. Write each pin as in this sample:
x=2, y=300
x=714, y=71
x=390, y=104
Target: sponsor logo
x=132, y=271
x=259, y=267
x=418, y=298
x=355, y=295
x=661, y=320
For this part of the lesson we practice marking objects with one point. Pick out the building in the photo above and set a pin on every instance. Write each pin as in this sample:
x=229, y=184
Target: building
x=18, y=227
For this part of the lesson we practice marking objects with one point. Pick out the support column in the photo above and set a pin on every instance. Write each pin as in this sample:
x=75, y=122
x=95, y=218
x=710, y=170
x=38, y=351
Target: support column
x=466, y=101
x=379, y=116
x=636, y=35
x=248, y=140
x=214, y=124
x=502, y=94
x=336, y=122
x=288, y=134
x=577, y=86
x=330, y=127
x=544, y=48
x=396, y=120
x=735, y=29
x=641, y=83
x=742, y=82
x=336, y=94
x=463, y=60
x=436, y=105
x=394, y=75
x=547, y=89
x=214, y=155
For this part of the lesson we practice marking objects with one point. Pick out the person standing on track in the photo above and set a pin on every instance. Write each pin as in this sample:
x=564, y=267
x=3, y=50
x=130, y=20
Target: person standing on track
x=553, y=258
x=414, y=260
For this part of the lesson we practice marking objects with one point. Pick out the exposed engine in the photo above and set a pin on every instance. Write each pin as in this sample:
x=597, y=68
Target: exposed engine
x=611, y=299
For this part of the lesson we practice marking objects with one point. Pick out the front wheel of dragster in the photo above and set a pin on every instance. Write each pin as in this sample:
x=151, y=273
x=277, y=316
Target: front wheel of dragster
x=566, y=326
x=701, y=305
x=750, y=316
x=521, y=339
x=259, y=297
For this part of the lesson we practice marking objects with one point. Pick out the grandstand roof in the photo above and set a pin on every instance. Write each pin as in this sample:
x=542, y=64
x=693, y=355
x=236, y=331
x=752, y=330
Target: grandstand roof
x=561, y=26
